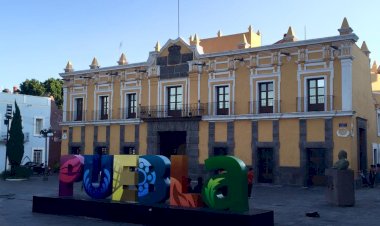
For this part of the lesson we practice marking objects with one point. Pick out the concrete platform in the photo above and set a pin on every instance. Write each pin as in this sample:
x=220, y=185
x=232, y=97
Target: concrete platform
x=159, y=214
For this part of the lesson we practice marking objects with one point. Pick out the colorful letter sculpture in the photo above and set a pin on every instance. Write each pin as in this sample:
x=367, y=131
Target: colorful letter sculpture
x=178, y=184
x=231, y=180
x=97, y=176
x=70, y=172
x=146, y=179
x=125, y=178
x=154, y=182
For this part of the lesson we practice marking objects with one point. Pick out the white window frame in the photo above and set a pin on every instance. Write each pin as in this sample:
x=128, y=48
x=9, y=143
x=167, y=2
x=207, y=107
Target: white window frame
x=378, y=122
x=166, y=93
x=99, y=105
x=125, y=114
x=375, y=157
x=42, y=154
x=215, y=98
x=75, y=108
x=258, y=94
x=306, y=91
x=35, y=125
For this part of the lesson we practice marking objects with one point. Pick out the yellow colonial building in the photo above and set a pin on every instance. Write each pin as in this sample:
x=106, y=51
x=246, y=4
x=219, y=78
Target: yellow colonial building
x=285, y=109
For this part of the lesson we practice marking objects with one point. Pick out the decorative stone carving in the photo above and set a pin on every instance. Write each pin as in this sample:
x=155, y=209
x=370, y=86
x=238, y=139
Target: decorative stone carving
x=211, y=66
x=252, y=62
x=301, y=55
x=231, y=64
x=345, y=50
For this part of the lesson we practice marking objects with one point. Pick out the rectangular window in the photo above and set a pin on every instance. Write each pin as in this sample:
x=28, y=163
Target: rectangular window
x=37, y=156
x=378, y=124
x=266, y=97
x=316, y=94
x=132, y=105
x=375, y=156
x=38, y=124
x=222, y=100
x=220, y=151
x=104, y=107
x=78, y=111
x=129, y=150
x=175, y=98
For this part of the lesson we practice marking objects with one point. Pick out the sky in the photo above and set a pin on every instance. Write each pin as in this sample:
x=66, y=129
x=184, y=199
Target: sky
x=38, y=37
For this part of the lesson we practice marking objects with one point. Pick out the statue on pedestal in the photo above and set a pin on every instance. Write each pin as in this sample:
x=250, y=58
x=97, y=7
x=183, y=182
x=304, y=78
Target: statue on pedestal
x=342, y=163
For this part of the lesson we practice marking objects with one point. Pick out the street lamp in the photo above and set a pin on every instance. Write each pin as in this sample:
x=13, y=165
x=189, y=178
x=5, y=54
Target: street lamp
x=46, y=133
x=8, y=117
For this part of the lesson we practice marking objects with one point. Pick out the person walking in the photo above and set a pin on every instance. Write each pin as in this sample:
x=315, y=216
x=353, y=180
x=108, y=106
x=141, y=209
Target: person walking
x=372, y=176
x=377, y=174
x=199, y=186
x=250, y=181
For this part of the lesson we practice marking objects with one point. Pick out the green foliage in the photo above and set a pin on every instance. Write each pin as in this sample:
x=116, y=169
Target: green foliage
x=53, y=87
x=209, y=191
x=50, y=87
x=22, y=172
x=32, y=87
x=15, y=144
x=18, y=172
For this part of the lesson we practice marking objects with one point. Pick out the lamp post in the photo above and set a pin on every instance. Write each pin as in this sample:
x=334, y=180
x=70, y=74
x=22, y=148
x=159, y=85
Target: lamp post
x=8, y=117
x=46, y=133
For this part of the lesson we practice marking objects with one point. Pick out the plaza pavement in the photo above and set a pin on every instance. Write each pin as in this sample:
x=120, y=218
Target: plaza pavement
x=289, y=203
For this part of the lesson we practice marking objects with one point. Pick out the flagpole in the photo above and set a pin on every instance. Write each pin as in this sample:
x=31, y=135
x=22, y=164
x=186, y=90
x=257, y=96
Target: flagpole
x=178, y=17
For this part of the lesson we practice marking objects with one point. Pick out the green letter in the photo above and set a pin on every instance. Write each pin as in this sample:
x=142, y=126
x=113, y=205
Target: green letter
x=228, y=188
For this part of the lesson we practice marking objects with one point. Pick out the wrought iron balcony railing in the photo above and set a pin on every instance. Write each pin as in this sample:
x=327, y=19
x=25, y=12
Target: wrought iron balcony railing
x=163, y=111
x=315, y=103
x=221, y=108
x=264, y=106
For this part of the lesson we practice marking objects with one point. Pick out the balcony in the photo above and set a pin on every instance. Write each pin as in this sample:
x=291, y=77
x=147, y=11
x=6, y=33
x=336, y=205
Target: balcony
x=221, y=108
x=264, y=106
x=163, y=111
x=74, y=116
x=130, y=113
x=316, y=103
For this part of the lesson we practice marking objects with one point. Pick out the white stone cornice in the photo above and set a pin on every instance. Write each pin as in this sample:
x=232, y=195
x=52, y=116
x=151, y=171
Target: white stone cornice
x=101, y=122
x=350, y=37
x=103, y=69
x=275, y=116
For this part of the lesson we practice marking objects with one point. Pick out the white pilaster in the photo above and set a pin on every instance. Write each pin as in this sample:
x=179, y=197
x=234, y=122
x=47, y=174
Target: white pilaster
x=346, y=65
x=64, y=104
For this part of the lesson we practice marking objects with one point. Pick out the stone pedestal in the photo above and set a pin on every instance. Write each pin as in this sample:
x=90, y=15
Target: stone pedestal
x=340, y=187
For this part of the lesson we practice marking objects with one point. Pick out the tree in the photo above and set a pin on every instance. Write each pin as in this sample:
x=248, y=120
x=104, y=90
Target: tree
x=53, y=87
x=15, y=144
x=50, y=87
x=32, y=87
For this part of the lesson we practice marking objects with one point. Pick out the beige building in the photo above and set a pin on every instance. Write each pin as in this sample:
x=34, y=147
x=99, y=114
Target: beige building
x=286, y=109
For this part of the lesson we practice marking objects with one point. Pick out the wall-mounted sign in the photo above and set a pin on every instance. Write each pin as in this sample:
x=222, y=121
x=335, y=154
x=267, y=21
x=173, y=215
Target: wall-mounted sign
x=342, y=125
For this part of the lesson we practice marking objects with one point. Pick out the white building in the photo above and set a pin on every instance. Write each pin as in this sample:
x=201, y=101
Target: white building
x=35, y=114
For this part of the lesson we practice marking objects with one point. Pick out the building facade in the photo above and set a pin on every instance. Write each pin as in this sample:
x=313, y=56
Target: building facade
x=286, y=109
x=35, y=115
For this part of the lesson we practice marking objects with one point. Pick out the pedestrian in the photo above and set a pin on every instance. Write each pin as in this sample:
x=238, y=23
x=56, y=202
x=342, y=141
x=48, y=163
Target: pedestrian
x=377, y=173
x=364, y=179
x=250, y=181
x=189, y=188
x=372, y=176
x=199, y=186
